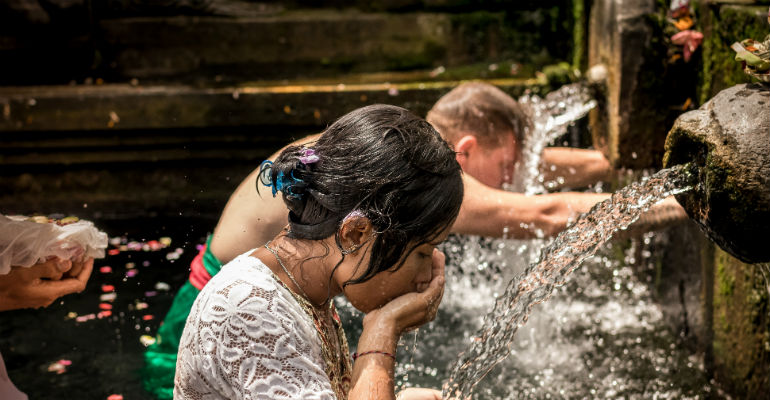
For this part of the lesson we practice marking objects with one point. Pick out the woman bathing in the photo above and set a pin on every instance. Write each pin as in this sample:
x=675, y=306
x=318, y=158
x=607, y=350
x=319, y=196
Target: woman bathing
x=367, y=204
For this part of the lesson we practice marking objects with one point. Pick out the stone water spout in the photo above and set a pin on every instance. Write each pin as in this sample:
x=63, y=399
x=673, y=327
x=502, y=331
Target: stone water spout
x=728, y=139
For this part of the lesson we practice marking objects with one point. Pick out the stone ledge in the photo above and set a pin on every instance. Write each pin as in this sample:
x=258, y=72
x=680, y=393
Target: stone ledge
x=121, y=107
x=170, y=189
x=287, y=45
x=266, y=46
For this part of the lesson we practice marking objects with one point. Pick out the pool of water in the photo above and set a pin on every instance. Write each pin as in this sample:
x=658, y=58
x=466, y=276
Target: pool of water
x=104, y=352
x=602, y=334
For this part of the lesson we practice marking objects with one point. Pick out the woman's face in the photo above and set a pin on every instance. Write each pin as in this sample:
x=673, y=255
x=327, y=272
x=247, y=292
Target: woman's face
x=413, y=276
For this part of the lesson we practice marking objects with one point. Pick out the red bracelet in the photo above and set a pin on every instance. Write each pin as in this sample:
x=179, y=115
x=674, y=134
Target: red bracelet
x=356, y=355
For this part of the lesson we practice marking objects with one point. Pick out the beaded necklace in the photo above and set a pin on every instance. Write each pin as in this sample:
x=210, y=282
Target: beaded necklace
x=334, y=344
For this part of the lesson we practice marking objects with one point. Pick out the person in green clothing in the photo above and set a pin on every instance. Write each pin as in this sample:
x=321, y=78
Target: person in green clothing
x=160, y=357
x=486, y=142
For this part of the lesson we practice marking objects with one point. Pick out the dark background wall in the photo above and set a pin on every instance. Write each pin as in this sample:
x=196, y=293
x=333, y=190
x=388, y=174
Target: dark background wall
x=134, y=106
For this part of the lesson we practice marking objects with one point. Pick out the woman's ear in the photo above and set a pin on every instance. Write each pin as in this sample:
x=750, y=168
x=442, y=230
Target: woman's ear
x=466, y=145
x=354, y=232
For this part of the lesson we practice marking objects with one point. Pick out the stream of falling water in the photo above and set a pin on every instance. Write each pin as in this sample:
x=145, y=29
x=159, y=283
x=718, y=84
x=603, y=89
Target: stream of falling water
x=601, y=336
x=550, y=117
x=581, y=240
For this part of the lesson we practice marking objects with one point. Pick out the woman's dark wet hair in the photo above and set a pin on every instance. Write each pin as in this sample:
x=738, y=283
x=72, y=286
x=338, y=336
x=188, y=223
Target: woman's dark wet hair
x=383, y=161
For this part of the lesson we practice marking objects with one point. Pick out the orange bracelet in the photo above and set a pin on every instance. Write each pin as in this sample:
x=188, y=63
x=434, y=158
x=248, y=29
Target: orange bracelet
x=356, y=355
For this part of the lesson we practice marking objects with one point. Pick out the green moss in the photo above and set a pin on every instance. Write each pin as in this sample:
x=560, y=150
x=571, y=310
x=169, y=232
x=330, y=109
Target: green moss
x=557, y=75
x=431, y=53
x=710, y=43
x=724, y=289
x=724, y=279
x=578, y=34
x=537, y=36
x=682, y=148
x=741, y=327
x=728, y=24
x=756, y=295
x=722, y=186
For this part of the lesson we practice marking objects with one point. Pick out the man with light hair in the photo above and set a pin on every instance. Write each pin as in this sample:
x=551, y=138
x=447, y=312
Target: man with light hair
x=488, y=128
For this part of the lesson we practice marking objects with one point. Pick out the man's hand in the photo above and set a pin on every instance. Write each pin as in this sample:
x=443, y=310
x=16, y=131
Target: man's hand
x=41, y=284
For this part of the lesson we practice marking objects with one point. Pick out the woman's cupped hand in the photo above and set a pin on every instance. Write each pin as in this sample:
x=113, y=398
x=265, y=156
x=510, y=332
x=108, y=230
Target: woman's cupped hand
x=43, y=283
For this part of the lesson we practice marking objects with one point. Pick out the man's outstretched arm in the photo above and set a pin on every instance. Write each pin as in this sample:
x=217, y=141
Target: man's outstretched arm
x=491, y=212
x=567, y=167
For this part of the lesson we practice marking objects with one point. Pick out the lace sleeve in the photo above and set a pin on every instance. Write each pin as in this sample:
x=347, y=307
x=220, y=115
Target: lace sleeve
x=246, y=338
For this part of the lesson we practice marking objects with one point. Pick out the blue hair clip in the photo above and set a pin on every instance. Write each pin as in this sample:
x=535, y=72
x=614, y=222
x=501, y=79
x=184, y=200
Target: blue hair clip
x=281, y=184
x=265, y=171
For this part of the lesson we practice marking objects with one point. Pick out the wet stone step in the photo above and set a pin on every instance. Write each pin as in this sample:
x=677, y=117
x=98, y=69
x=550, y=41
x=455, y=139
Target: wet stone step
x=275, y=45
x=89, y=148
x=285, y=45
x=127, y=107
x=298, y=43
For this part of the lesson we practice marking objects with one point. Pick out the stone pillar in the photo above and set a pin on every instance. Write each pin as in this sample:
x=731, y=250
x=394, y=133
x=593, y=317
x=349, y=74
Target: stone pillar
x=628, y=126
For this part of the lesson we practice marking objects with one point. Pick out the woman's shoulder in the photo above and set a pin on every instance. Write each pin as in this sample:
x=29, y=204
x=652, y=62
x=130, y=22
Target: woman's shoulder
x=246, y=286
x=243, y=278
x=245, y=314
x=247, y=267
x=246, y=297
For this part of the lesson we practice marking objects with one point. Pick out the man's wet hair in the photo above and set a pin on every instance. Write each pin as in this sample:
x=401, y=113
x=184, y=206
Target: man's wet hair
x=386, y=163
x=482, y=110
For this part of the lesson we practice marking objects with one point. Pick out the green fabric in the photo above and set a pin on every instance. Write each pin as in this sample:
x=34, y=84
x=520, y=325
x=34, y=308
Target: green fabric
x=160, y=358
x=210, y=261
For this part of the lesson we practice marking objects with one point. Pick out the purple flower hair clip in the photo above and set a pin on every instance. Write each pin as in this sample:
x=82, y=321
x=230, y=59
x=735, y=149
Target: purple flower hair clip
x=308, y=157
x=353, y=214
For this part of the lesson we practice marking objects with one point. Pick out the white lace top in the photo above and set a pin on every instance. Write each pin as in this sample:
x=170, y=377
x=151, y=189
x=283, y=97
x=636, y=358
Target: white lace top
x=248, y=337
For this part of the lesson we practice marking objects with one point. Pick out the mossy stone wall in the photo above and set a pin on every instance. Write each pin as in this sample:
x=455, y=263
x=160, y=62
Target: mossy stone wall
x=733, y=325
x=739, y=356
x=722, y=25
x=741, y=327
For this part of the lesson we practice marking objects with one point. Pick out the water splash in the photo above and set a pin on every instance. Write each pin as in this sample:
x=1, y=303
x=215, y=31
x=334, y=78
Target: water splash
x=483, y=263
x=558, y=260
x=551, y=117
